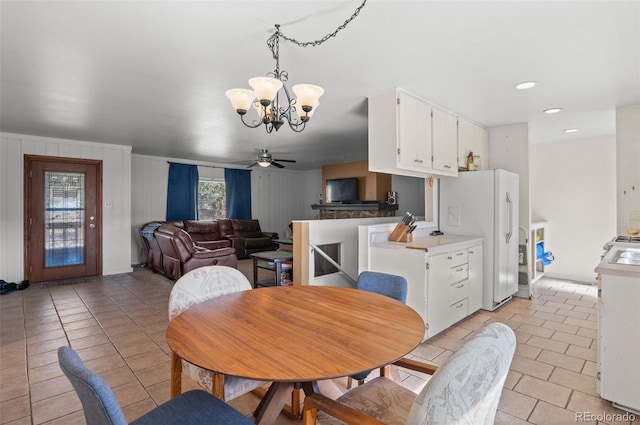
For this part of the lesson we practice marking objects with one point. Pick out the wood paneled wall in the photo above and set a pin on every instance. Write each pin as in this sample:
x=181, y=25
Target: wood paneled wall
x=116, y=189
x=371, y=186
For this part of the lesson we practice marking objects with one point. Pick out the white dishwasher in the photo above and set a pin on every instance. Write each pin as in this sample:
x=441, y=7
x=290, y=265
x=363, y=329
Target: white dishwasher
x=619, y=328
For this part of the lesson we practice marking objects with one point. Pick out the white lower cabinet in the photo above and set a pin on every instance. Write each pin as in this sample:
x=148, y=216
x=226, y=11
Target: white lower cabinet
x=443, y=287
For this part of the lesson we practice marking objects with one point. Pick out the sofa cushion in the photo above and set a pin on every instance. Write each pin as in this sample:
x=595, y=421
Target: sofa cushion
x=206, y=230
x=247, y=228
x=225, y=226
x=261, y=242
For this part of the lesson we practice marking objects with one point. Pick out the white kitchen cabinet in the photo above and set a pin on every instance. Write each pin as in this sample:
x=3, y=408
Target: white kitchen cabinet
x=444, y=142
x=405, y=139
x=414, y=133
x=472, y=138
x=475, y=278
x=444, y=286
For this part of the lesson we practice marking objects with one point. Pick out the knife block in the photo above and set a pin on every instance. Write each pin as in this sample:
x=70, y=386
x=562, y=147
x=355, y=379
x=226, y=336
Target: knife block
x=400, y=234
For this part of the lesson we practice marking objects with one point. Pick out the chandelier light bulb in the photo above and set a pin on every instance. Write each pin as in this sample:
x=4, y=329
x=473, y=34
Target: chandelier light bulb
x=264, y=163
x=241, y=99
x=307, y=95
x=265, y=88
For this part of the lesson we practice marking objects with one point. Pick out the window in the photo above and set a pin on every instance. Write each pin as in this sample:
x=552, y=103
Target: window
x=212, y=202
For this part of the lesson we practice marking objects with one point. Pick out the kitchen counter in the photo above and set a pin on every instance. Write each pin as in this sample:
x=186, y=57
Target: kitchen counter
x=432, y=244
x=608, y=266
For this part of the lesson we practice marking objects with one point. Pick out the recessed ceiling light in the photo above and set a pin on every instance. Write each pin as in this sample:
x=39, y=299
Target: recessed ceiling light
x=552, y=110
x=571, y=130
x=526, y=85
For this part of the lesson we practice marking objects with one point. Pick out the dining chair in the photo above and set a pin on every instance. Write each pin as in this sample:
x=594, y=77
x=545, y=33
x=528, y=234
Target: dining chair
x=195, y=287
x=101, y=407
x=465, y=390
x=392, y=286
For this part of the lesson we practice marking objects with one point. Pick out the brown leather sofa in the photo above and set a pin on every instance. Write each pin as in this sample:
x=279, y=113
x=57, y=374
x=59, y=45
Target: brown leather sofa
x=180, y=255
x=247, y=237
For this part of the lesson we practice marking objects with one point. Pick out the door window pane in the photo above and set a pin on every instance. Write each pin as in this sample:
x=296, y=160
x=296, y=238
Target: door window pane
x=64, y=218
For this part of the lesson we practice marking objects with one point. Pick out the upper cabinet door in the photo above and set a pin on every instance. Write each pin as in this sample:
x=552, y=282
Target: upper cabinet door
x=414, y=127
x=445, y=141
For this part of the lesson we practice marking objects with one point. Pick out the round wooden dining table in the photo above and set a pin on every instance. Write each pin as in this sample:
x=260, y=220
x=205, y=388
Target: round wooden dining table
x=291, y=335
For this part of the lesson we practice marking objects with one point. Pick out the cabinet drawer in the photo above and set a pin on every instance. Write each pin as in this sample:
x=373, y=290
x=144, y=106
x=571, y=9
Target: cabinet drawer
x=458, y=291
x=459, y=273
x=458, y=311
x=458, y=257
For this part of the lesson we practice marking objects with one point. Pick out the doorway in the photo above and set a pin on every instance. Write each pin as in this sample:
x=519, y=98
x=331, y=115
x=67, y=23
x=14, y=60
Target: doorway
x=63, y=221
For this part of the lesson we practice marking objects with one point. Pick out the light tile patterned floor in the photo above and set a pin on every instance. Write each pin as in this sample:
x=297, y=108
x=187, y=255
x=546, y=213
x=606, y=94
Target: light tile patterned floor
x=117, y=324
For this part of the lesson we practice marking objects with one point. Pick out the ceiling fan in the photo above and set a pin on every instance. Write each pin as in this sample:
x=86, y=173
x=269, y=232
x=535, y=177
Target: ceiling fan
x=264, y=159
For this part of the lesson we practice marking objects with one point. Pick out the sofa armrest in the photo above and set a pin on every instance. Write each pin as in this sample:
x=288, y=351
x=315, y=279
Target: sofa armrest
x=272, y=235
x=221, y=243
x=200, y=254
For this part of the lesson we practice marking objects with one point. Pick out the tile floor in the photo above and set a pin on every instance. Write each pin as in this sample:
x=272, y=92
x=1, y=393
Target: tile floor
x=117, y=324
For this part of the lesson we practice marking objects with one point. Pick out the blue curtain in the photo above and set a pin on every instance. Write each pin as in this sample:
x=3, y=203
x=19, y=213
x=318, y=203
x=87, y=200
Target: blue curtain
x=182, y=192
x=238, y=191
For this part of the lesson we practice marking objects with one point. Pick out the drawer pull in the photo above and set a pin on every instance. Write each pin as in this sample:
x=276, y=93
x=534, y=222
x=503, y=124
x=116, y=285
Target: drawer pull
x=459, y=305
x=449, y=257
x=460, y=286
x=460, y=253
x=460, y=269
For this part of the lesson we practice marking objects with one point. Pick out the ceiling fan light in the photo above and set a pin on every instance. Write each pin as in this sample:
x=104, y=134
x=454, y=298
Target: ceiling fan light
x=264, y=163
x=241, y=99
x=307, y=94
x=265, y=87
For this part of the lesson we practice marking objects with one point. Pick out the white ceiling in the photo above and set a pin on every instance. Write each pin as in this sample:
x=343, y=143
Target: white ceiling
x=152, y=75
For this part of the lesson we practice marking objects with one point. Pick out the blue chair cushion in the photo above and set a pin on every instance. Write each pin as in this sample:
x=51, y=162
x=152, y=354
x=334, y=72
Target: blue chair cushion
x=193, y=407
x=392, y=286
x=102, y=408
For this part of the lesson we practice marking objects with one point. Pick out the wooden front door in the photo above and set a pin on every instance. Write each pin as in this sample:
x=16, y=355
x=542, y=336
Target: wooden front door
x=63, y=223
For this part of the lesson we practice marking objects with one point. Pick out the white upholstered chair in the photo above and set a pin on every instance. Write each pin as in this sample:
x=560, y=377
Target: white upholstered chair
x=465, y=390
x=195, y=287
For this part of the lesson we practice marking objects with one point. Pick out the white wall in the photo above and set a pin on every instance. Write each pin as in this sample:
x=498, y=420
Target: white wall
x=573, y=189
x=410, y=194
x=116, y=188
x=627, y=164
x=509, y=150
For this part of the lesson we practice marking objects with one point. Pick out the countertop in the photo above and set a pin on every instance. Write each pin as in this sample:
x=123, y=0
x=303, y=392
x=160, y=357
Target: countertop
x=432, y=243
x=610, y=268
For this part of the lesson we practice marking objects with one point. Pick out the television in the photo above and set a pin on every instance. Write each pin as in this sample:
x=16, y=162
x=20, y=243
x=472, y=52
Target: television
x=342, y=190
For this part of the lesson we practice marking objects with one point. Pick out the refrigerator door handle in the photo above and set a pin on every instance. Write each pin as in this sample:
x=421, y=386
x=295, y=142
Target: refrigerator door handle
x=510, y=218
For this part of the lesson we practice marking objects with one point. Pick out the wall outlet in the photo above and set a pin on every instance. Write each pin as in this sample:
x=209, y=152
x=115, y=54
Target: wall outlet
x=108, y=204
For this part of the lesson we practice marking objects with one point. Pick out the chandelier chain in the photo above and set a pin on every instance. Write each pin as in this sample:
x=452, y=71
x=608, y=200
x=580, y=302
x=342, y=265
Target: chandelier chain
x=315, y=42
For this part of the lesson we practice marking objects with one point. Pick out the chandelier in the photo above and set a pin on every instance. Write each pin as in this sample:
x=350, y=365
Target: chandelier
x=274, y=104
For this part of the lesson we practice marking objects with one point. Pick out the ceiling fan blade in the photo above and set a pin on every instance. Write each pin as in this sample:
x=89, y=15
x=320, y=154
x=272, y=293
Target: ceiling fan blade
x=253, y=165
x=277, y=165
x=285, y=160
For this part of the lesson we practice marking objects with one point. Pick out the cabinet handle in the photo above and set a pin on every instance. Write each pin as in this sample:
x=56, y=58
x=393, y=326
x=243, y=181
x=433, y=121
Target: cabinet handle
x=460, y=269
x=470, y=252
x=416, y=160
x=447, y=166
x=459, y=253
x=449, y=257
x=421, y=161
x=459, y=305
x=460, y=286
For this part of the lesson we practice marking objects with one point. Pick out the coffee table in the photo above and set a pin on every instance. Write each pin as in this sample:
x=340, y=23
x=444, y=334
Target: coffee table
x=292, y=336
x=269, y=260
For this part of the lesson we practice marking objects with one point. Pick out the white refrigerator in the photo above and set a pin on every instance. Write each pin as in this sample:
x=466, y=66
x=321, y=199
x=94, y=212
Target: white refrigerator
x=485, y=203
